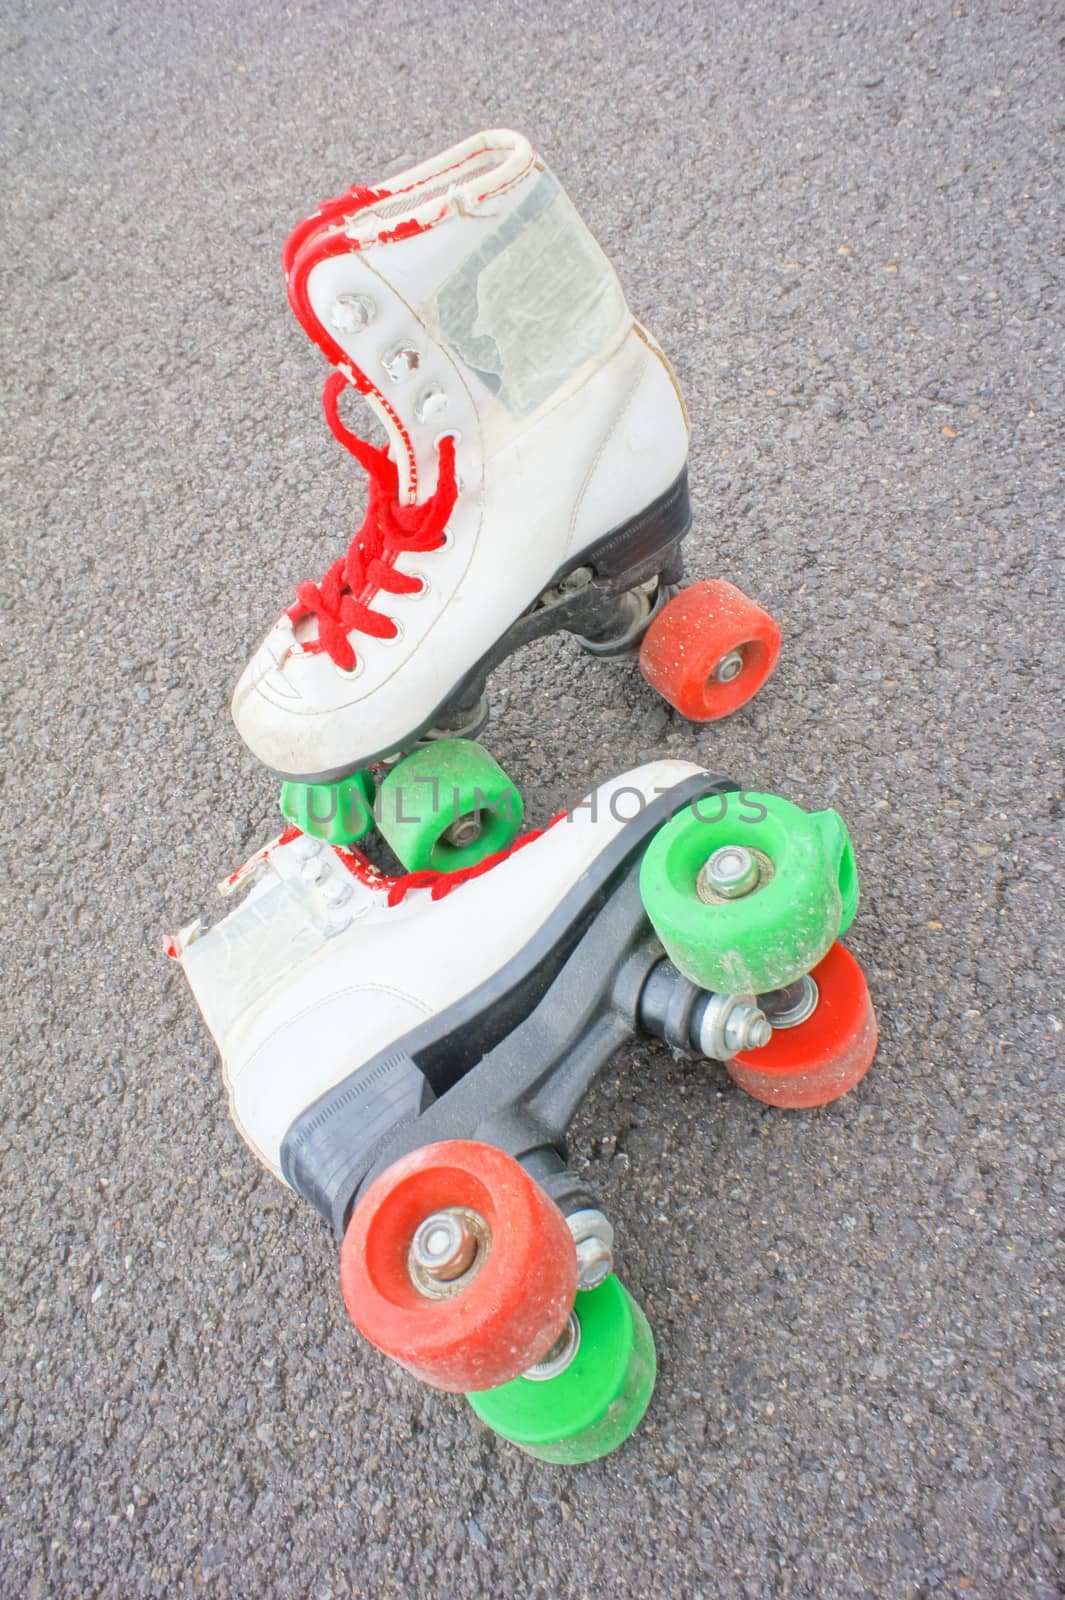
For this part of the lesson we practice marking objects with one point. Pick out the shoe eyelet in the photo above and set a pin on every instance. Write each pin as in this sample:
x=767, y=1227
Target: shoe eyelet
x=430, y=403
x=417, y=594
x=401, y=361
x=350, y=313
x=349, y=674
x=448, y=433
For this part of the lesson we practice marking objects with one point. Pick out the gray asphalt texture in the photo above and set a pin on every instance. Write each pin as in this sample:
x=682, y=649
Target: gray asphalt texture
x=841, y=222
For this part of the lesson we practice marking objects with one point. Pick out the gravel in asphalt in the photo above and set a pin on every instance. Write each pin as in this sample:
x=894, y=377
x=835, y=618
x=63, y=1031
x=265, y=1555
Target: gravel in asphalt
x=842, y=222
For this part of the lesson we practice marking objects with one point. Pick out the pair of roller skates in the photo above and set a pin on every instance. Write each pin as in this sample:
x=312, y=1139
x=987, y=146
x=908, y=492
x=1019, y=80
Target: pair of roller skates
x=407, y=1050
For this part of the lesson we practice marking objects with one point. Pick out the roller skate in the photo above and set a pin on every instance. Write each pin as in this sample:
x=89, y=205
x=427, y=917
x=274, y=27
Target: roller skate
x=408, y=1052
x=534, y=480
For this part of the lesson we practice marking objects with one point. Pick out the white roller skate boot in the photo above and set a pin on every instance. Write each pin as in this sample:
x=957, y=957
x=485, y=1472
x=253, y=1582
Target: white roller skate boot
x=408, y=1054
x=535, y=475
x=345, y=1003
x=324, y=962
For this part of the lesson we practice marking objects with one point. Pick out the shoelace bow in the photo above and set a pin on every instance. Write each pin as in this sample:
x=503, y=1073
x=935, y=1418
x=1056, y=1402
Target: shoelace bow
x=339, y=601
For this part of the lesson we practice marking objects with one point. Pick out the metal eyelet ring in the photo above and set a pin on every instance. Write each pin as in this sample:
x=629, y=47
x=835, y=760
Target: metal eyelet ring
x=430, y=403
x=416, y=594
x=349, y=674
x=401, y=361
x=350, y=313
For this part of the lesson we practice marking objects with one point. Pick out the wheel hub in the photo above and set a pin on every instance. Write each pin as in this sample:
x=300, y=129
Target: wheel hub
x=560, y=1355
x=447, y=1251
x=729, y=667
x=464, y=830
x=731, y=873
x=786, y=1008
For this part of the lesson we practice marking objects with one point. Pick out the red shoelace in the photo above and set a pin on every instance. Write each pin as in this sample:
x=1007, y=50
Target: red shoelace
x=341, y=600
x=439, y=884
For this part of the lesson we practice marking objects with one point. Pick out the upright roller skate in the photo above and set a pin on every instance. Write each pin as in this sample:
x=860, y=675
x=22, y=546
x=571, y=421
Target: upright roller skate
x=408, y=1052
x=534, y=479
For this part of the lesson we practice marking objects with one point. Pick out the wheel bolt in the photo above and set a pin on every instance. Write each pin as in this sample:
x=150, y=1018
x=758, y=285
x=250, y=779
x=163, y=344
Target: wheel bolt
x=747, y=1029
x=444, y=1246
x=729, y=667
x=731, y=1023
x=593, y=1235
x=729, y=874
x=594, y=1262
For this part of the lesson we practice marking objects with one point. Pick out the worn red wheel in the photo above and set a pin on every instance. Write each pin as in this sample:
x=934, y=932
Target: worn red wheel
x=709, y=650
x=822, y=1058
x=458, y=1266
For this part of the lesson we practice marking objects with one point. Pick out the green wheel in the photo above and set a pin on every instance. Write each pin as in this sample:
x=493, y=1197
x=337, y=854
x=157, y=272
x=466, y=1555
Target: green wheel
x=848, y=880
x=448, y=805
x=794, y=890
x=339, y=813
x=592, y=1406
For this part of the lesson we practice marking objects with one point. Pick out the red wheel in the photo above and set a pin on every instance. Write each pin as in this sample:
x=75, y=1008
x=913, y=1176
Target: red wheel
x=823, y=1057
x=709, y=650
x=458, y=1266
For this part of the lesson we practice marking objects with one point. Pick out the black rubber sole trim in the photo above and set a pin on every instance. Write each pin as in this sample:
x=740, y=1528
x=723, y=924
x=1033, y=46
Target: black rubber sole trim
x=329, y=1148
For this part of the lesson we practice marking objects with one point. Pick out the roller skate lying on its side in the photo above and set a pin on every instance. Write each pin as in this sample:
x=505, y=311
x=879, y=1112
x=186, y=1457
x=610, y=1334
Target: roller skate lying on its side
x=535, y=480
x=408, y=1052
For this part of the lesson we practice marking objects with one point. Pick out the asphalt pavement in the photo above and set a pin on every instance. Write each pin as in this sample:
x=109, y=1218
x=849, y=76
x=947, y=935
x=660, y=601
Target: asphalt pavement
x=842, y=222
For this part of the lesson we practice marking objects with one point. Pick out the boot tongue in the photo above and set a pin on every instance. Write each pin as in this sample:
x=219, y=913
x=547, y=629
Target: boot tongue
x=532, y=311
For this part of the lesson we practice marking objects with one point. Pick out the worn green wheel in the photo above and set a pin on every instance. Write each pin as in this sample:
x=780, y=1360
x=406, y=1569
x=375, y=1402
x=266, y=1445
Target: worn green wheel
x=448, y=805
x=590, y=1407
x=747, y=892
x=339, y=813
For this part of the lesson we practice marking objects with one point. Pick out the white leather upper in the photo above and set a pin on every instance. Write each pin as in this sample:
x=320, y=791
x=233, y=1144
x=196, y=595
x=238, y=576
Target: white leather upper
x=299, y=990
x=550, y=457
